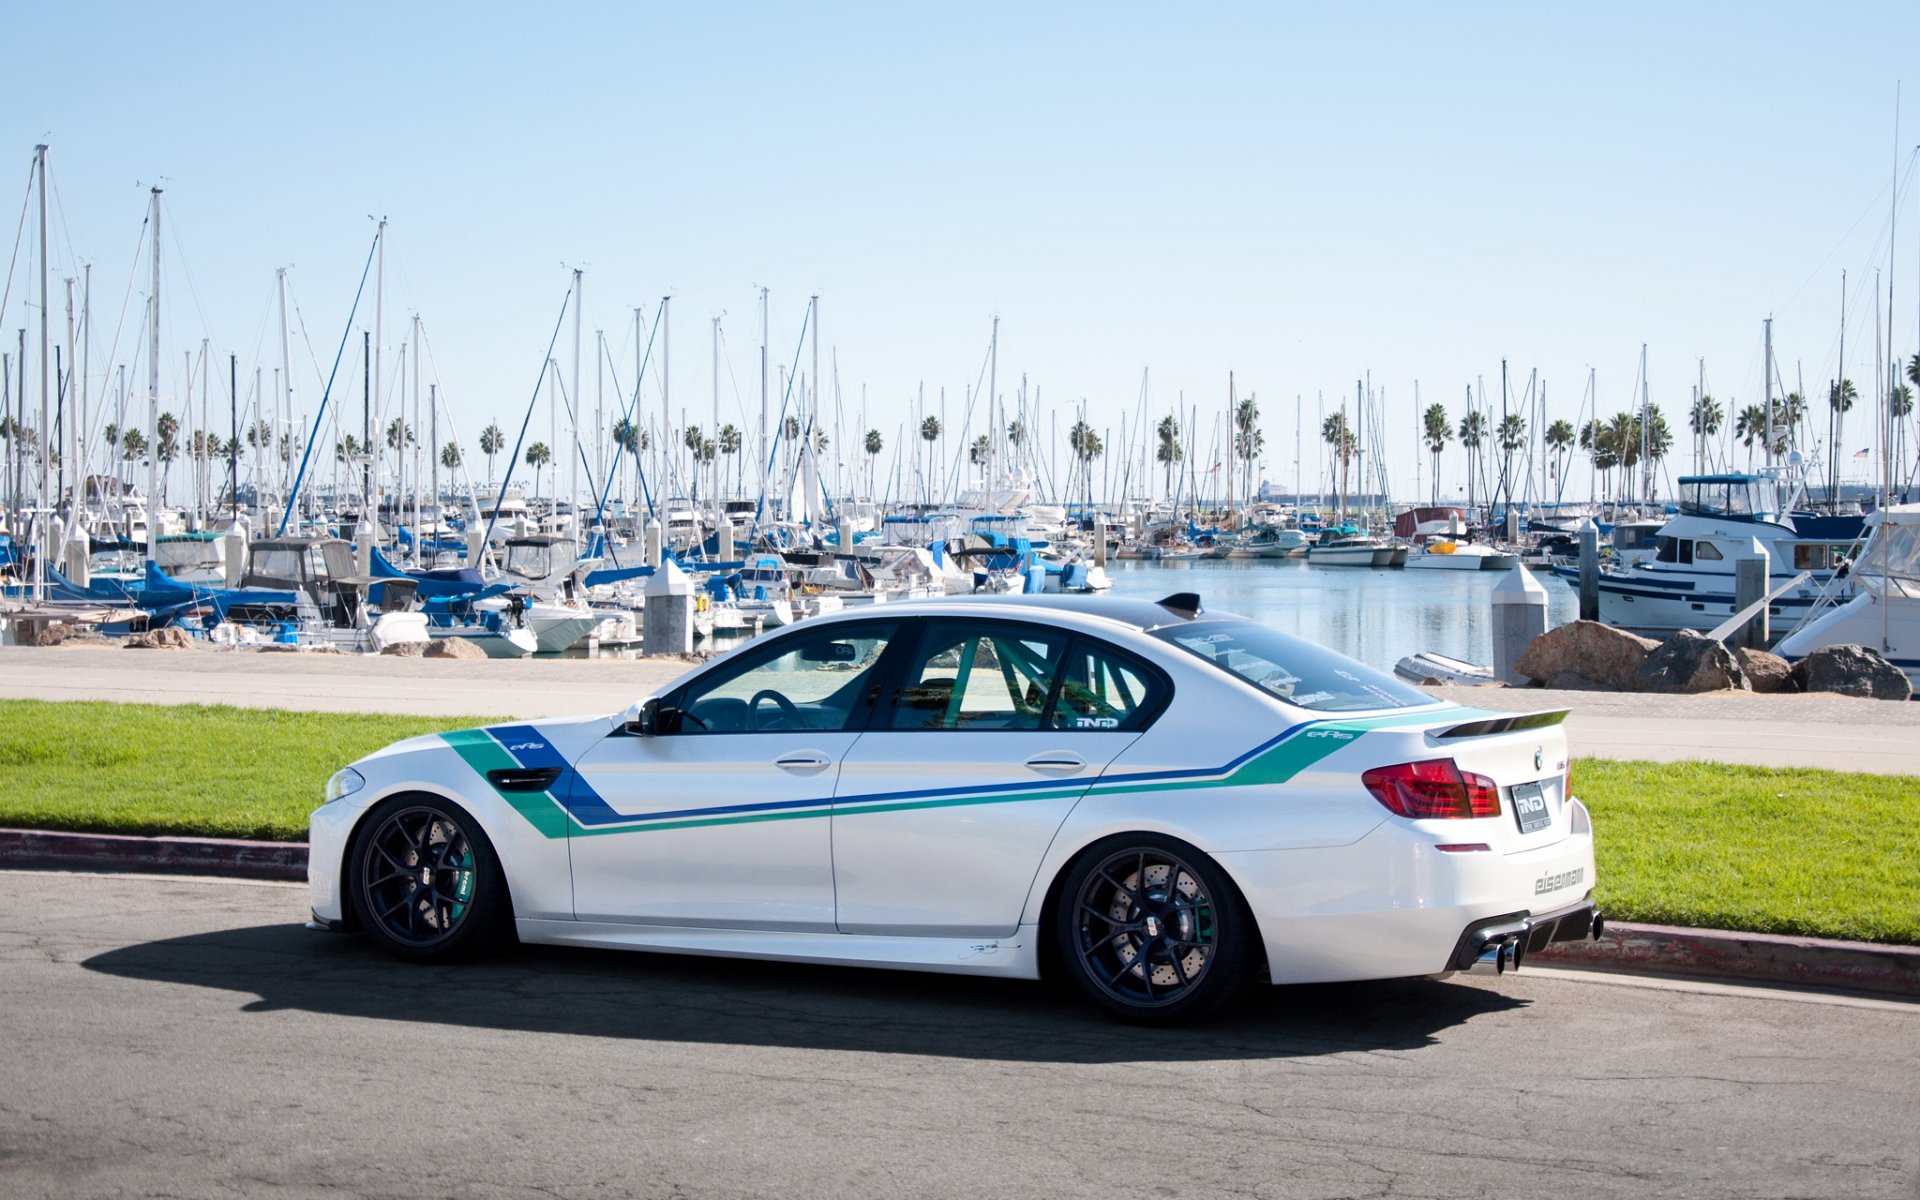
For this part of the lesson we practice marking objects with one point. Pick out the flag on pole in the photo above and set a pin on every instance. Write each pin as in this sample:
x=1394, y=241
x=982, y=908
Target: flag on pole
x=1860, y=454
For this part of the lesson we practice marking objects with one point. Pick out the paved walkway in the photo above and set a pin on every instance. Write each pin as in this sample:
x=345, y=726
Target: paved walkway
x=1820, y=731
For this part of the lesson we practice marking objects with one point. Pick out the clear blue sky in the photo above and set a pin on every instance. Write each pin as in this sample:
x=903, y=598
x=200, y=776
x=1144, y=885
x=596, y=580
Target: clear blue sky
x=1299, y=196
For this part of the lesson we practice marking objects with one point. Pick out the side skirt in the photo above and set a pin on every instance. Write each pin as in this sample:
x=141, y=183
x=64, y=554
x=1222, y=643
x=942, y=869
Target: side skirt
x=1016, y=957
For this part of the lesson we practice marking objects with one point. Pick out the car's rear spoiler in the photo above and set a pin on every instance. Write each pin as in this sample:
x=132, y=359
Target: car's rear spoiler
x=1503, y=724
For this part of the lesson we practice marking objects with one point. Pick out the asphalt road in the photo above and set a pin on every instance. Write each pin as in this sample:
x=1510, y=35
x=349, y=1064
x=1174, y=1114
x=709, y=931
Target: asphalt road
x=188, y=1038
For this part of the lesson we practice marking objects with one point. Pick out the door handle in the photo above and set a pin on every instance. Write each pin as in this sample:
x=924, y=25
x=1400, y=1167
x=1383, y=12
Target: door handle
x=803, y=761
x=1063, y=763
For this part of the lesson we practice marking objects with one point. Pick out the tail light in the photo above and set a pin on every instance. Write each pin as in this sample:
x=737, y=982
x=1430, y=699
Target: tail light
x=1436, y=788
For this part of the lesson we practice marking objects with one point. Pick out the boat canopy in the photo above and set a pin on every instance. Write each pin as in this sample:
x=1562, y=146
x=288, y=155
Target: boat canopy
x=1738, y=496
x=1892, y=556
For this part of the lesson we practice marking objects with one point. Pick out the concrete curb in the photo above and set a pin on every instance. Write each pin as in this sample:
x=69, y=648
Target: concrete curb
x=1647, y=949
x=1758, y=957
x=162, y=855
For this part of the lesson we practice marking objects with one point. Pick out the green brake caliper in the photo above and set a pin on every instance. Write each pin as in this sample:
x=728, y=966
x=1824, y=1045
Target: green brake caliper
x=462, y=884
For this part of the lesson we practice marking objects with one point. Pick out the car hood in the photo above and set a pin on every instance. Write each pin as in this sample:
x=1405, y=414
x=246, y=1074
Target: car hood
x=570, y=736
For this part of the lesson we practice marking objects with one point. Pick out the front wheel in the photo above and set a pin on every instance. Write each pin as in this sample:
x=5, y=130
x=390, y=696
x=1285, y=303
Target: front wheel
x=1152, y=930
x=425, y=881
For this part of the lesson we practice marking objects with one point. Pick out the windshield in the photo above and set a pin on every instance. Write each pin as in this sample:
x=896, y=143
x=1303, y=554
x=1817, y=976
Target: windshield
x=1296, y=671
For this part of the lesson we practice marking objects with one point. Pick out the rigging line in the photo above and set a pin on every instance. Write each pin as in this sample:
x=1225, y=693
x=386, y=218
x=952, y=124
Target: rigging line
x=300, y=319
x=441, y=404
x=1873, y=205
x=579, y=450
x=19, y=240
x=106, y=376
x=620, y=448
x=532, y=400
x=780, y=424
x=186, y=268
x=293, y=495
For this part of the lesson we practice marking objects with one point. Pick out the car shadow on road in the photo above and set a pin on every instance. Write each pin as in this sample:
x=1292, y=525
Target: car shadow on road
x=659, y=997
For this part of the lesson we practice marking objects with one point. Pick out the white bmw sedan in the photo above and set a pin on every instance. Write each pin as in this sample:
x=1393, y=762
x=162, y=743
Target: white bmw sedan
x=1160, y=803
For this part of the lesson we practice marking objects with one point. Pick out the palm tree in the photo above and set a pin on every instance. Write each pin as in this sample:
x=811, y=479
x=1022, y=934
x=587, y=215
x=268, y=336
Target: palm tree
x=133, y=444
x=1169, y=451
x=450, y=456
x=492, y=441
x=537, y=457
x=1704, y=420
x=1345, y=444
x=980, y=451
x=1622, y=433
x=1016, y=437
x=1473, y=433
x=166, y=447
x=1085, y=443
x=1436, y=432
x=930, y=433
x=1248, y=441
x=1597, y=441
x=1657, y=440
x=1511, y=437
x=730, y=442
x=399, y=434
x=1750, y=427
x=693, y=438
x=873, y=445
x=1559, y=439
x=1840, y=397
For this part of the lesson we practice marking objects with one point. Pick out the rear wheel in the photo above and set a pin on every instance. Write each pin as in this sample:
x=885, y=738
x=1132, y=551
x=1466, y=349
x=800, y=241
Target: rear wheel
x=1151, y=930
x=425, y=881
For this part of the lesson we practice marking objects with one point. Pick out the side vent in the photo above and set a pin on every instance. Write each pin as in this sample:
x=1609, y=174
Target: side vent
x=523, y=779
x=1185, y=605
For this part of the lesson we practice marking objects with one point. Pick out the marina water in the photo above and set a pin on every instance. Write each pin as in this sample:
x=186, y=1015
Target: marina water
x=1376, y=616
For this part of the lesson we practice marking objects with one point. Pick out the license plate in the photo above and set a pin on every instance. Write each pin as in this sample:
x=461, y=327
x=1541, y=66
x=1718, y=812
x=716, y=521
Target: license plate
x=1530, y=806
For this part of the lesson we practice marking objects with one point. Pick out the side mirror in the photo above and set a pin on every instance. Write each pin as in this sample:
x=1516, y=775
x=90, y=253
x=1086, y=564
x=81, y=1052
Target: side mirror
x=643, y=719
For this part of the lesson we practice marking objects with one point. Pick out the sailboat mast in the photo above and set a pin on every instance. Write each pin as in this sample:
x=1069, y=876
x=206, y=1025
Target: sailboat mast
x=993, y=420
x=153, y=381
x=433, y=449
x=718, y=508
x=573, y=440
x=1766, y=376
x=43, y=526
x=283, y=393
x=762, y=459
x=371, y=513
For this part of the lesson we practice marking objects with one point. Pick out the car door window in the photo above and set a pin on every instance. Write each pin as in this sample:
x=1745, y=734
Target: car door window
x=1103, y=689
x=810, y=680
x=978, y=675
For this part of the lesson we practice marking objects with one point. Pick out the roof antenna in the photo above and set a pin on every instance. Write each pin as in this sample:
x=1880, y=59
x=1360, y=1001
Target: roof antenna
x=1183, y=604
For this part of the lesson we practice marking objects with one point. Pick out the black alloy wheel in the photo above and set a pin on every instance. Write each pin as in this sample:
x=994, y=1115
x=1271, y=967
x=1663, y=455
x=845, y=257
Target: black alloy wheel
x=426, y=882
x=1152, y=930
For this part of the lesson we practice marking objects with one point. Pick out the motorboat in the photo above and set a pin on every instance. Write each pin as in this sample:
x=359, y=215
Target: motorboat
x=1884, y=613
x=1352, y=550
x=1688, y=583
x=1448, y=555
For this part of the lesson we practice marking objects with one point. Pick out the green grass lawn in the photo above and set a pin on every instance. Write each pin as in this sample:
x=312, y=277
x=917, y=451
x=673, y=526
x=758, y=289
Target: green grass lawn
x=1821, y=853
x=191, y=768
x=1824, y=853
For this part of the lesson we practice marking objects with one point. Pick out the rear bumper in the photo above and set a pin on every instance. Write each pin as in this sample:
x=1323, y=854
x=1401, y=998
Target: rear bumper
x=1504, y=942
x=1393, y=905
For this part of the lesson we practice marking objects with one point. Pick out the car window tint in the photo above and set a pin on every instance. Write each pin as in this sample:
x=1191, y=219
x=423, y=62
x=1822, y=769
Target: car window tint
x=810, y=680
x=1103, y=689
x=987, y=675
x=1291, y=668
